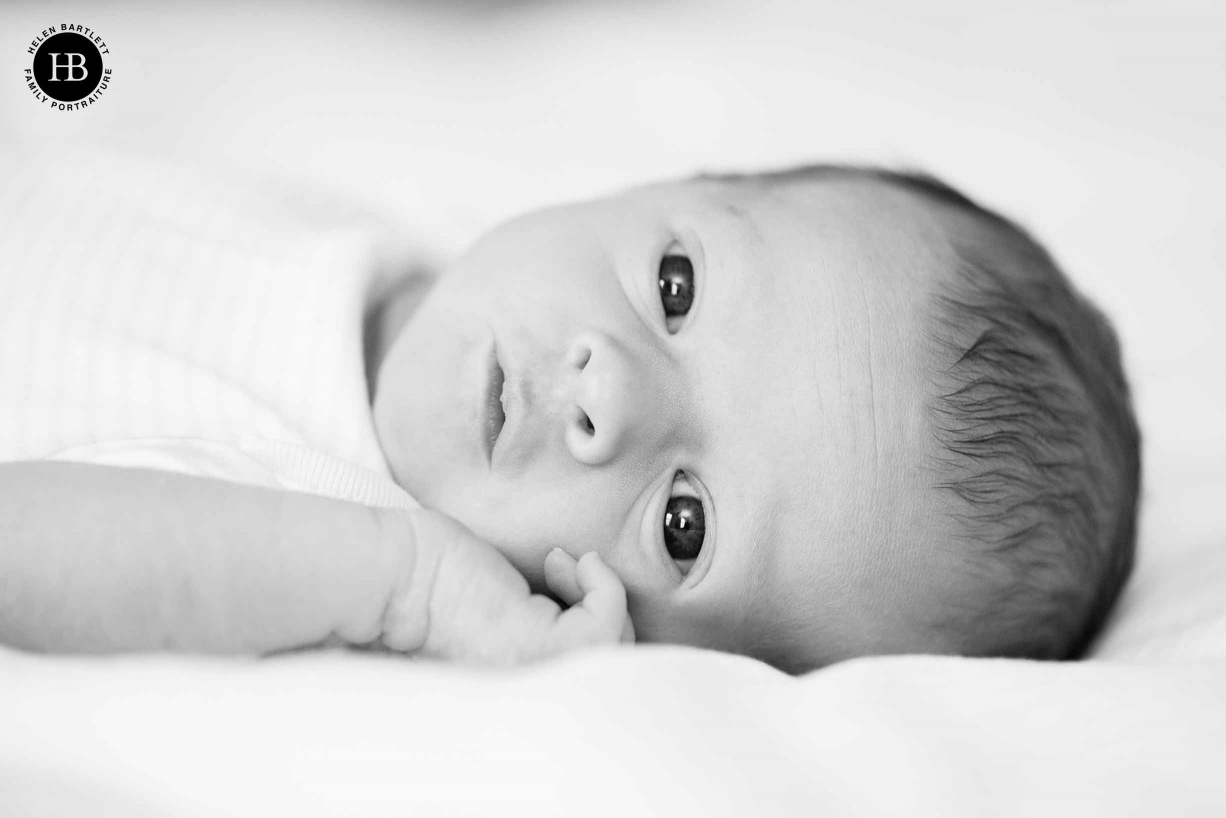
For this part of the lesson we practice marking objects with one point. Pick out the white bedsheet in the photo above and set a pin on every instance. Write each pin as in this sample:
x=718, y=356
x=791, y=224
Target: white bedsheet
x=667, y=731
x=1102, y=128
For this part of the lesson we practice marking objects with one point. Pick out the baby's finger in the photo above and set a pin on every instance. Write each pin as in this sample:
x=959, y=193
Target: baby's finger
x=604, y=596
x=560, y=576
x=628, y=631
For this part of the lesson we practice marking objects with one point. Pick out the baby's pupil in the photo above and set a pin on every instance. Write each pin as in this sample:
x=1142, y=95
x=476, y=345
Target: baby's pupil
x=684, y=527
x=676, y=285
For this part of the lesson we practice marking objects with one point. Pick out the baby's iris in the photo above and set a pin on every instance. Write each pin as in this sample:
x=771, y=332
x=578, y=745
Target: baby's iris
x=684, y=527
x=676, y=287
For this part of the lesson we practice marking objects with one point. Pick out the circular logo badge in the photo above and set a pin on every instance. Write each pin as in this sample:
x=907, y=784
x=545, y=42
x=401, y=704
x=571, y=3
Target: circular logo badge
x=68, y=71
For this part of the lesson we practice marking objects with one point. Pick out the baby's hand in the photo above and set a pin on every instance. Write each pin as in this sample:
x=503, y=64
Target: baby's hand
x=594, y=593
x=478, y=608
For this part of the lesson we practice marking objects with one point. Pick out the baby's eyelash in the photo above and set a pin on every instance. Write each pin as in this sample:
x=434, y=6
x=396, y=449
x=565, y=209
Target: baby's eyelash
x=680, y=477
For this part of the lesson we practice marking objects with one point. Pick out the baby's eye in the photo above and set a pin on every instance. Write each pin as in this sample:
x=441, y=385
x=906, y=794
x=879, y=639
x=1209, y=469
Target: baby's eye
x=676, y=289
x=684, y=524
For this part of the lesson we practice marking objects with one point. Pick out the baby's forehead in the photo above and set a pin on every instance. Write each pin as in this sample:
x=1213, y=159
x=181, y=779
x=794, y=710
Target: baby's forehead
x=833, y=201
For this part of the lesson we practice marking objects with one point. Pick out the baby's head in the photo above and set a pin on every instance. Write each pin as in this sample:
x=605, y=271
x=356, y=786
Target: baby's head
x=805, y=415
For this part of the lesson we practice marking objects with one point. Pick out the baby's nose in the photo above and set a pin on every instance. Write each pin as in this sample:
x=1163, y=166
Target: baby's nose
x=616, y=402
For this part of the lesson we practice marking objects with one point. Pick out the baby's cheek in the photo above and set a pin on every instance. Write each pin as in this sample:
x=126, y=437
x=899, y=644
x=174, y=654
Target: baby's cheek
x=658, y=619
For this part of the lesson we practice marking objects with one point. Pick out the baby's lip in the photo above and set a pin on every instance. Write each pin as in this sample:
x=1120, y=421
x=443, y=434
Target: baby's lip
x=492, y=414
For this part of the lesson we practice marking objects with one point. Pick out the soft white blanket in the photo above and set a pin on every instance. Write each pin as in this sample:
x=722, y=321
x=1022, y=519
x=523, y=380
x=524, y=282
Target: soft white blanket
x=665, y=731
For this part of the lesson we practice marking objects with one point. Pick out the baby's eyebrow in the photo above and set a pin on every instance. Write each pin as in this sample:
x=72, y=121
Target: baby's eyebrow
x=733, y=244
x=745, y=231
x=743, y=220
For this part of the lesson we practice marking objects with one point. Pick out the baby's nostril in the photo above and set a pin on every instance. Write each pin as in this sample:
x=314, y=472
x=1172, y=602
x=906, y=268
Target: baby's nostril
x=581, y=357
x=586, y=423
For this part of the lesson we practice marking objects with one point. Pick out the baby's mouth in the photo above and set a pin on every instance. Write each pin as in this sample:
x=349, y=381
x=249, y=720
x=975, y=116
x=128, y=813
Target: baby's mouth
x=495, y=413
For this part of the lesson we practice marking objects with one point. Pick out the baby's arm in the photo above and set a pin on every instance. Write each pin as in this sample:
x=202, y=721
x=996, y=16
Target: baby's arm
x=97, y=559
x=94, y=558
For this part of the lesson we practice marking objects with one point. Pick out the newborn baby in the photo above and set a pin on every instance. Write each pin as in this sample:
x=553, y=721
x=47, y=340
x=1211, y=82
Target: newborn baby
x=804, y=416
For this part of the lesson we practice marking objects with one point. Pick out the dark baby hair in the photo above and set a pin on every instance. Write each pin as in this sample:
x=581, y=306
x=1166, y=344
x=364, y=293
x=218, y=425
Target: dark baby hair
x=1037, y=448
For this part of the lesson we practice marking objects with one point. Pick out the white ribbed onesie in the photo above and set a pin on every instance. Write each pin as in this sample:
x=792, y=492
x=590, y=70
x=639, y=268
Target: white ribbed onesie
x=149, y=317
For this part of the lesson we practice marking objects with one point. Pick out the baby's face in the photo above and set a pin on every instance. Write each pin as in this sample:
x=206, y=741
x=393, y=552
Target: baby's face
x=745, y=445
